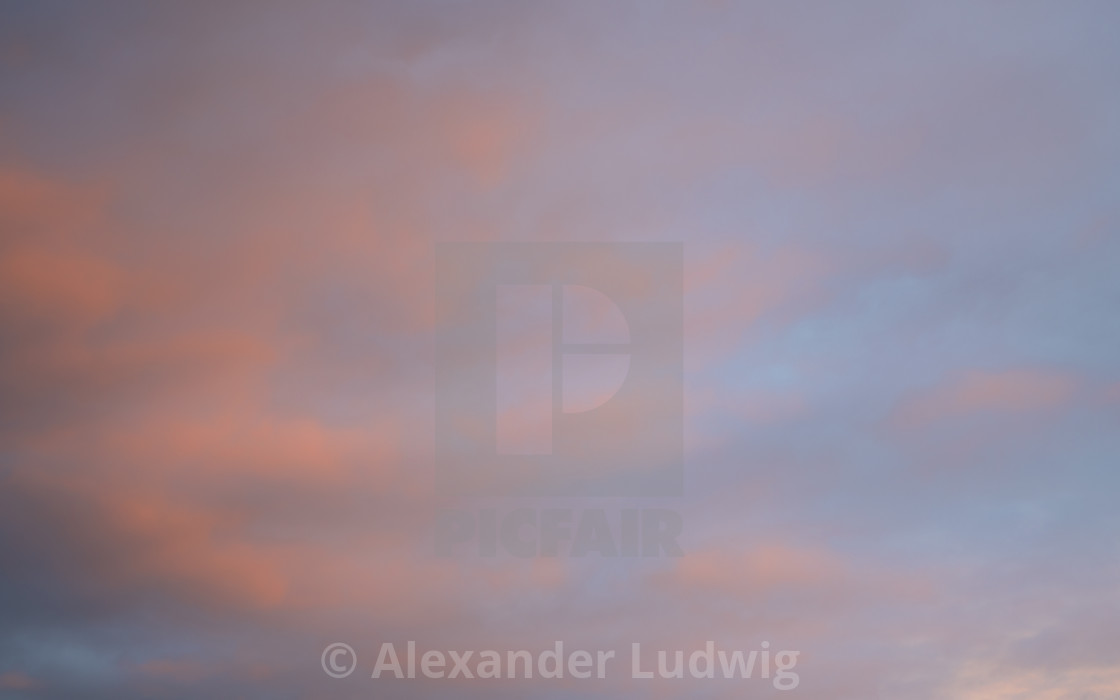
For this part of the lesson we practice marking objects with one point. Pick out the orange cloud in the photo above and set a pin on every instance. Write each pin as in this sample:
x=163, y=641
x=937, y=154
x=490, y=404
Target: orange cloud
x=982, y=679
x=755, y=572
x=16, y=680
x=815, y=578
x=119, y=539
x=484, y=136
x=36, y=208
x=42, y=284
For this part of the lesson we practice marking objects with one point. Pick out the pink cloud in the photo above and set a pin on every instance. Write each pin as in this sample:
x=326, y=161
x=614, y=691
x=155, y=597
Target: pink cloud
x=759, y=571
x=1010, y=391
x=81, y=288
x=732, y=287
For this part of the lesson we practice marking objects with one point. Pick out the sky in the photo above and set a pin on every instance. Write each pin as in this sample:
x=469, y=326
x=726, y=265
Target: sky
x=901, y=385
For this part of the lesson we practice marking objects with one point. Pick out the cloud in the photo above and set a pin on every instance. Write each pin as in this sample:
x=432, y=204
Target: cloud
x=771, y=572
x=216, y=307
x=15, y=680
x=977, y=392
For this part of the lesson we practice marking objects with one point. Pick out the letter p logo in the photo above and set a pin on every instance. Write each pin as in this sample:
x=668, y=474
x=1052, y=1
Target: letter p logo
x=559, y=368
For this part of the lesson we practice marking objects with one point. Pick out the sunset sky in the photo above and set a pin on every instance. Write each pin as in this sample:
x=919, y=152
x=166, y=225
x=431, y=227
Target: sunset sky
x=901, y=238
